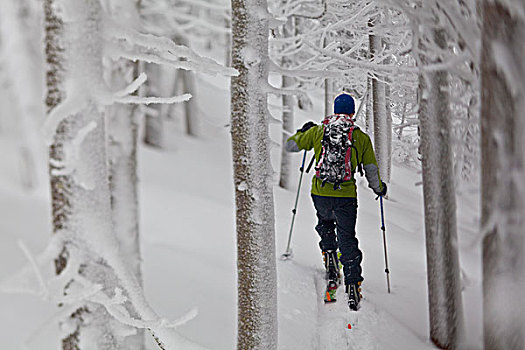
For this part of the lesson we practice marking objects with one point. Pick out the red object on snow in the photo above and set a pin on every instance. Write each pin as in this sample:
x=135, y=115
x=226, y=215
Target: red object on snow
x=349, y=326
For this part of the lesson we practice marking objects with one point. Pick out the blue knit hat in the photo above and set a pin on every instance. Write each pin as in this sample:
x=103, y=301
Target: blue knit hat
x=344, y=104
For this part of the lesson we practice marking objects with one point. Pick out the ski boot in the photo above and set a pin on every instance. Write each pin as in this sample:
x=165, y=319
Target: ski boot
x=353, y=290
x=332, y=276
x=332, y=267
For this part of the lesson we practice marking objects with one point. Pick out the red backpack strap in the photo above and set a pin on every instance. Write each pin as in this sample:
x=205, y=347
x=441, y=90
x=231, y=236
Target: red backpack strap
x=348, y=156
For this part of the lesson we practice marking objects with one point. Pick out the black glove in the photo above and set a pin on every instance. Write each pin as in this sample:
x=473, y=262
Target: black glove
x=383, y=192
x=306, y=126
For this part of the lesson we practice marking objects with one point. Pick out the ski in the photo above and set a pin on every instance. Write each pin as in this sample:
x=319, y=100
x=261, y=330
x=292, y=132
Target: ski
x=330, y=293
x=332, y=275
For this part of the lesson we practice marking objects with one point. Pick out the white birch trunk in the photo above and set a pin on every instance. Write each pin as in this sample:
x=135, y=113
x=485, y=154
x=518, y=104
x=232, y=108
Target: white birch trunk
x=257, y=297
x=503, y=174
x=443, y=273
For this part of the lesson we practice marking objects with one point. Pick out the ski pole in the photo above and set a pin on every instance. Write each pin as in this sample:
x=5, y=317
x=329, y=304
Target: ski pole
x=387, y=271
x=288, y=253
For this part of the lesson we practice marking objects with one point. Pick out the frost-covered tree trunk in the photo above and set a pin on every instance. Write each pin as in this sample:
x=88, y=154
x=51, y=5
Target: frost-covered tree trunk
x=288, y=113
x=123, y=123
x=328, y=96
x=78, y=166
x=288, y=119
x=328, y=90
x=55, y=94
x=369, y=124
x=257, y=297
x=388, y=130
x=369, y=108
x=503, y=174
x=388, y=115
x=443, y=274
x=380, y=115
x=380, y=127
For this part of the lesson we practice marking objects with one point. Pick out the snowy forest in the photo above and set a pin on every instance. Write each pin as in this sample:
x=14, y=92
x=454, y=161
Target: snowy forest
x=148, y=201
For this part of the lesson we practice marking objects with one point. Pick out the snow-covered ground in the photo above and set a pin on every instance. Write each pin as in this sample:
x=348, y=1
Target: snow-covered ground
x=188, y=244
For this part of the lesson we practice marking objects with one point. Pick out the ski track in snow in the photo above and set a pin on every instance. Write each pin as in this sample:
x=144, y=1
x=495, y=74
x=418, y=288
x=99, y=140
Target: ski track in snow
x=333, y=318
x=371, y=328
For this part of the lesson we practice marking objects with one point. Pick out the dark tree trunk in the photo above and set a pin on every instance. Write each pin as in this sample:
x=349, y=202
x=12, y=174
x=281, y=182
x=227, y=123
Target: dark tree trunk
x=503, y=174
x=443, y=273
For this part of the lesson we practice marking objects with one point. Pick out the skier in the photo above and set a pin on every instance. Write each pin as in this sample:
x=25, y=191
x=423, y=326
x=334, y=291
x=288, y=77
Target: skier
x=340, y=148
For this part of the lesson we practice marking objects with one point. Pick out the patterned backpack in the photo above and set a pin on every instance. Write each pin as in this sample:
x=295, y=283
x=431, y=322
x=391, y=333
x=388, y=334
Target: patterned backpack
x=335, y=164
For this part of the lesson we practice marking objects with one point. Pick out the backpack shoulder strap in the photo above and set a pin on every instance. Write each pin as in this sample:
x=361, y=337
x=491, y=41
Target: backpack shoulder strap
x=351, y=138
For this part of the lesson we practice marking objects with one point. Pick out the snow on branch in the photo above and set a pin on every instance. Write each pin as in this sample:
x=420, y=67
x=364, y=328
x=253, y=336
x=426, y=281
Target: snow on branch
x=134, y=86
x=81, y=290
x=124, y=96
x=312, y=73
x=296, y=9
x=116, y=308
x=279, y=91
x=342, y=24
x=153, y=100
x=396, y=69
x=191, y=21
x=70, y=106
x=74, y=158
x=211, y=5
x=34, y=266
x=34, y=277
x=133, y=45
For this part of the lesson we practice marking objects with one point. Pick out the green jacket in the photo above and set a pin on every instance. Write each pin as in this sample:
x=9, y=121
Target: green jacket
x=365, y=152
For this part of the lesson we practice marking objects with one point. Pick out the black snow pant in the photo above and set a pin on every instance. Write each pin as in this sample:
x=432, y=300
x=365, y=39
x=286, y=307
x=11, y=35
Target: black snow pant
x=337, y=215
